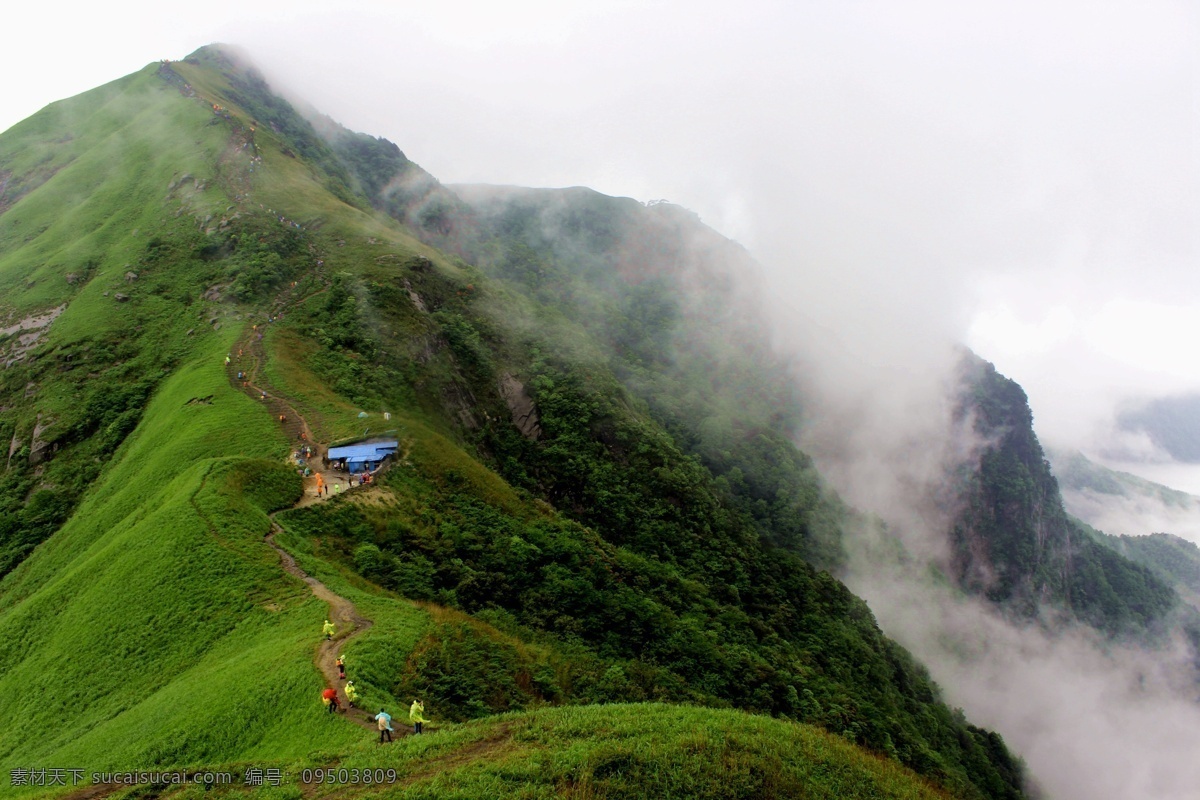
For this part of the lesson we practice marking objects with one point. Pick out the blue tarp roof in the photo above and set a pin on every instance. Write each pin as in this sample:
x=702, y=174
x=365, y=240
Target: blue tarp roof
x=370, y=451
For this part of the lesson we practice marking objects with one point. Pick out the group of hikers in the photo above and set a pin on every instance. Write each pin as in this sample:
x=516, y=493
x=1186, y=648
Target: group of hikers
x=383, y=720
x=323, y=488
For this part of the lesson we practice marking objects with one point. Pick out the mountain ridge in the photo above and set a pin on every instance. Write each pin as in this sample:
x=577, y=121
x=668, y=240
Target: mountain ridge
x=646, y=542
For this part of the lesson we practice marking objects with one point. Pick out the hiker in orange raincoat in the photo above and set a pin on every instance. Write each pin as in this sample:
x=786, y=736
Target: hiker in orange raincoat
x=320, y=484
x=330, y=698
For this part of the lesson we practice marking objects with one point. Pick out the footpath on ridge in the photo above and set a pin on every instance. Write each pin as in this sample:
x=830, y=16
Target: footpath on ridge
x=248, y=358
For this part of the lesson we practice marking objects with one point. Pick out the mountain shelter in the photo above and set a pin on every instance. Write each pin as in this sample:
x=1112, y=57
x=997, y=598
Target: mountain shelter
x=363, y=455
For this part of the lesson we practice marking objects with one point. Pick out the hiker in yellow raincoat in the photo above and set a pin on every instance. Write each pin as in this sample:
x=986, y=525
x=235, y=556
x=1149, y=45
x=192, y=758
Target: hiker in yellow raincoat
x=351, y=693
x=416, y=715
x=328, y=629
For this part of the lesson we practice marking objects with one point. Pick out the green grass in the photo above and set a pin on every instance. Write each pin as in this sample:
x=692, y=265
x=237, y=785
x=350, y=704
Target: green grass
x=155, y=628
x=613, y=751
x=162, y=630
x=642, y=751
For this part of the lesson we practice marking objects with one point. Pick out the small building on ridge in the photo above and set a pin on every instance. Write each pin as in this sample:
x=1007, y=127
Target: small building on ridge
x=363, y=455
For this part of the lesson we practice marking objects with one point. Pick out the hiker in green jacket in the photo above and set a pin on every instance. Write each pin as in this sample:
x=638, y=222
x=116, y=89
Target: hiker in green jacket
x=328, y=629
x=416, y=715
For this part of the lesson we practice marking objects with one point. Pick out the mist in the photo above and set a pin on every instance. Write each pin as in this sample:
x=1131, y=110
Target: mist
x=1020, y=177
x=1134, y=516
x=1090, y=718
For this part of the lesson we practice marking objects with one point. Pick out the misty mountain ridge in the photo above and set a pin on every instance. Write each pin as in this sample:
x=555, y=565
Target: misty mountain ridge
x=1172, y=424
x=1120, y=503
x=596, y=500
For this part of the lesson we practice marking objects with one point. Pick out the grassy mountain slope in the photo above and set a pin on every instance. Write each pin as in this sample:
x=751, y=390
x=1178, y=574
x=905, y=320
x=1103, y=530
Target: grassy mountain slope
x=183, y=212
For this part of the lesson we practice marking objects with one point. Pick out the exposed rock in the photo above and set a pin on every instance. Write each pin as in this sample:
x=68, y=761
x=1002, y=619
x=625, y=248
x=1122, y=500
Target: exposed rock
x=412, y=295
x=39, y=450
x=34, y=321
x=130, y=277
x=120, y=298
x=461, y=401
x=524, y=412
x=72, y=278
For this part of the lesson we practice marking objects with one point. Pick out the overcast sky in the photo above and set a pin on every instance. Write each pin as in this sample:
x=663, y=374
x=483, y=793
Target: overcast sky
x=1018, y=176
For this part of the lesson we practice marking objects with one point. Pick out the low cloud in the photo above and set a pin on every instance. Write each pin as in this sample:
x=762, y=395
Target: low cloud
x=1093, y=720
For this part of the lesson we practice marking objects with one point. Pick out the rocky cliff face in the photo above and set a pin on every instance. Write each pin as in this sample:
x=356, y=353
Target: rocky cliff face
x=1013, y=541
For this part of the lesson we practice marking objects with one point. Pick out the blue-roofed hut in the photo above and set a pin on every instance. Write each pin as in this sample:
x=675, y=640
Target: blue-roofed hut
x=363, y=455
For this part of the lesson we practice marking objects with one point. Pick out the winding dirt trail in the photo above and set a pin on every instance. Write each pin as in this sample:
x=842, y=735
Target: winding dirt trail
x=248, y=357
x=348, y=624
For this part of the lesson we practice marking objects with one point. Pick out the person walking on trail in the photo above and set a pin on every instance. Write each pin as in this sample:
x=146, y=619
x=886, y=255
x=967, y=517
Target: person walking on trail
x=383, y=721
x=328, y=630
x=227, y=360
x=416, y=715
x=330, y=698
x=351, y=693
x=341, y=665
x=320, y=484
x=337, y=488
